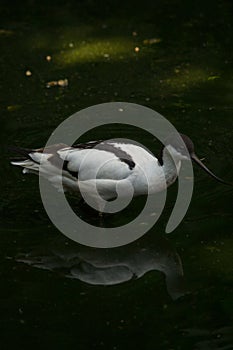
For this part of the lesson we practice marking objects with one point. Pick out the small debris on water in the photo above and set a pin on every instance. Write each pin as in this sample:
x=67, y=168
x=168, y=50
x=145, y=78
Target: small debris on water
x=28, y=73
x=152, y=41
x=5, y=32
x=60, y=83
x=13, y=108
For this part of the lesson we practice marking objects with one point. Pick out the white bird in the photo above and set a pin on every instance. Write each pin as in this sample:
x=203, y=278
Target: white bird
x=109, y=164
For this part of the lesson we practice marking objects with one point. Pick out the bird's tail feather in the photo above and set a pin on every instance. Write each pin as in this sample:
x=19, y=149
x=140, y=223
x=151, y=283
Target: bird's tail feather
x=25, y=159
x=25, y=153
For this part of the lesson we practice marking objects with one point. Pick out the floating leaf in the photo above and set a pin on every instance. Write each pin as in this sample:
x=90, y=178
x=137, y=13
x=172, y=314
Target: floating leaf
x=5, y=32
x=152, y=41
x=60, y=82
x=213, y=77
x=13, y=108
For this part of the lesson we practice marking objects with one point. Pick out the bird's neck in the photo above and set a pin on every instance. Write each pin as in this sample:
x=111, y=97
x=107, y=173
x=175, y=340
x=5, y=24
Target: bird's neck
x=171, y=165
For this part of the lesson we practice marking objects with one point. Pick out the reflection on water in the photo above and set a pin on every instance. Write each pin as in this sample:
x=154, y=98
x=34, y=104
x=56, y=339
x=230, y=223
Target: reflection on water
x=112, y=266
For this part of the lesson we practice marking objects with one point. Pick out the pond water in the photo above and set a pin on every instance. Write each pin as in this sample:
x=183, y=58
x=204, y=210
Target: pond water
x=163, y=291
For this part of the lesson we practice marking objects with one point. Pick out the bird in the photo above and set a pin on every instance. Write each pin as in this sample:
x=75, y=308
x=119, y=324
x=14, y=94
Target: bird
x=110, y=164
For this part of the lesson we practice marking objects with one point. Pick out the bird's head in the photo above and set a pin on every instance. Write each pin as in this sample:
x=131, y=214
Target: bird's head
x=185, y=151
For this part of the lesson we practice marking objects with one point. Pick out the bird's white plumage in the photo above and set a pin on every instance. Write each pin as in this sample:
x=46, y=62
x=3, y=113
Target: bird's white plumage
x=105, y=166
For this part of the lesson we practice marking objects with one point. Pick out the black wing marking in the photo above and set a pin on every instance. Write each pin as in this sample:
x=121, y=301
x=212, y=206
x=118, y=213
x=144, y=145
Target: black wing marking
x=108, y=146
x=88, y=145
x=65, y=168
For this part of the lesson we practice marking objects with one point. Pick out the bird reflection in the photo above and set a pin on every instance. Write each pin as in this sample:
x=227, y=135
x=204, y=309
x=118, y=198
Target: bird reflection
x=112, y=266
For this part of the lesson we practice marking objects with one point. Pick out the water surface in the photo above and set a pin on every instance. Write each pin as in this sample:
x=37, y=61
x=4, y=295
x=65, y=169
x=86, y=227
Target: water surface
x=165, y=291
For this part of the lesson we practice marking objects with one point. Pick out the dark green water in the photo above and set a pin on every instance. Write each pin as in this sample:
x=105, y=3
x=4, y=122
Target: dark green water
x=186, y=75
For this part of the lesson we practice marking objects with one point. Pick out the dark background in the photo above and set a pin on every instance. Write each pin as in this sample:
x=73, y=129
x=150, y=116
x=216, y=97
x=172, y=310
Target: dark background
x=183, y=70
